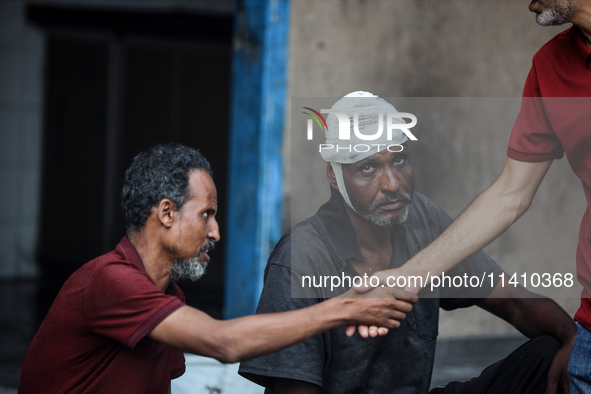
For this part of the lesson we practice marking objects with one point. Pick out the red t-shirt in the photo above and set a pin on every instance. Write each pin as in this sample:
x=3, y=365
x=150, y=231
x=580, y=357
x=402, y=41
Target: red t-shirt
x=94, y=338
x=555, y=119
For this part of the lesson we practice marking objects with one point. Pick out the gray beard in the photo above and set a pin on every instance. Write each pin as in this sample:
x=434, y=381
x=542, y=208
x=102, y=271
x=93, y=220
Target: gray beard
x=191, y=270
x=561, y=12
x=379, y=220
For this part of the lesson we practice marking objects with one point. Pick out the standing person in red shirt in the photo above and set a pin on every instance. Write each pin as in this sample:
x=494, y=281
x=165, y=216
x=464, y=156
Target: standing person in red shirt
x=555, y=118
x=119, y=323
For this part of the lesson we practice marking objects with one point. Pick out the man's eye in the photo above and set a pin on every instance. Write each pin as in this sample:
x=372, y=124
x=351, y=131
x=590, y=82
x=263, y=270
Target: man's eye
x=205, y=215
x=366, y=168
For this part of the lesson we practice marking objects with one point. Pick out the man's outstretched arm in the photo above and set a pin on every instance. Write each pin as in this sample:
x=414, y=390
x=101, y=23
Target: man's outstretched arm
x=247, y=337
x=535, y=316
x=493, y=212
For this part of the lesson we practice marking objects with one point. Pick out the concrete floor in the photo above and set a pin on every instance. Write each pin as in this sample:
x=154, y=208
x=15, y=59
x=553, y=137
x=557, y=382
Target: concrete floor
x=468, y=358
x=455, y=359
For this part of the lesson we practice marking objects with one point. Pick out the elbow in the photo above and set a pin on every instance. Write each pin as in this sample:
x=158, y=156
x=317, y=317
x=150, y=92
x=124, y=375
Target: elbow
x=512, y=204
x=515, y=208
x=227, y=351
x=228, y=357
x=518, y=207
x=225, y=343
x=231, y=354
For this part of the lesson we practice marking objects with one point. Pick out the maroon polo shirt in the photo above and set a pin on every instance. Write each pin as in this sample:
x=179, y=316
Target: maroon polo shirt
x=94, y=338
x=555, y=119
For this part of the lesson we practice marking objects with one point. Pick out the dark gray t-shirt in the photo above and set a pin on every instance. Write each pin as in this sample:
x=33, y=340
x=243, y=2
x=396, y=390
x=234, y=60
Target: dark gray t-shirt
x=399, y=362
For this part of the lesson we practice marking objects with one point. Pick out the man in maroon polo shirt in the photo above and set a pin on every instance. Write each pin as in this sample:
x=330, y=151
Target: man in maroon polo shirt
x=555, y=118
x=119, y=323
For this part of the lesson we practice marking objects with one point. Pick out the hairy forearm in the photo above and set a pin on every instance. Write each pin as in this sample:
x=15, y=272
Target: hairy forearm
x=484, y=220
x=493, y=212
x=252, y=336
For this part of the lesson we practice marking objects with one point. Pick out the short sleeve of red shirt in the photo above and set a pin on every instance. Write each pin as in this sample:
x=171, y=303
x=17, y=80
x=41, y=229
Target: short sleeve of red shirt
x=532, y=138
x=122, y=302
x=549, y=111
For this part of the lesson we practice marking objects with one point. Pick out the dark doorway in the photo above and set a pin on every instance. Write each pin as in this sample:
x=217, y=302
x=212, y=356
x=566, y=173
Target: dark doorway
x=115, y=84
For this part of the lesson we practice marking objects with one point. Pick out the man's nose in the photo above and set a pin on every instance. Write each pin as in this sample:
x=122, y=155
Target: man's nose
x=390, y=181
x=214, y=231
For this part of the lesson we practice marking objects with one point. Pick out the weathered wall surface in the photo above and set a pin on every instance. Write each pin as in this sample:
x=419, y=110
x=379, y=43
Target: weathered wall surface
x=21, y=54
x=478, y=50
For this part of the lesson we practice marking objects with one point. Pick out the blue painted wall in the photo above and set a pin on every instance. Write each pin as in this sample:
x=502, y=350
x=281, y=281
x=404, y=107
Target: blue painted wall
x=259, y=84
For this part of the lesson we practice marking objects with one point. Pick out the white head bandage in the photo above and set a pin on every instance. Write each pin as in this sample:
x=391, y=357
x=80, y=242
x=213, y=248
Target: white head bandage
x=367, y=112
x=337, y=168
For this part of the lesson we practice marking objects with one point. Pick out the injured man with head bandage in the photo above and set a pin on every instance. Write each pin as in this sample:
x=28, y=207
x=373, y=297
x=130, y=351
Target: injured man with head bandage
x=375, y=221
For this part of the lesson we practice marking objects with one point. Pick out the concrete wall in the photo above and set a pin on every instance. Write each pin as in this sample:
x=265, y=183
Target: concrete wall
x=435, y=48
x=21, y=90
x=21, y=54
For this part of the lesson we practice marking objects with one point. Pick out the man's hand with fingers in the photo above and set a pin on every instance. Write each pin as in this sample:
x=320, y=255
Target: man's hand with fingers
x=399, y=300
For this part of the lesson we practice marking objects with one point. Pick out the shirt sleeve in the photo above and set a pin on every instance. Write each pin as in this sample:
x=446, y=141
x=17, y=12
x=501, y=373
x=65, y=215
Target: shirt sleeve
x=533, y=138
x=121, y=302
x=178, y=357
x=303, y=361
x=178, y=363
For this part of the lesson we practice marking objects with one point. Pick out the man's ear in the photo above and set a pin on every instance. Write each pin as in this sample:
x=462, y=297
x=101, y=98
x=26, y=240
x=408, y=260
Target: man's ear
x=331, y=178
x=166, y=212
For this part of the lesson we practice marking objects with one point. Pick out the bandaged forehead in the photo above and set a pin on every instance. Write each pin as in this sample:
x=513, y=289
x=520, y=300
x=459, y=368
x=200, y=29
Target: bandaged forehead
x=367, y=118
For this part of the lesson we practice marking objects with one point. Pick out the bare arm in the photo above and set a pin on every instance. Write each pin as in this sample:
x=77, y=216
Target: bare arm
x=534, y=316
x=493, y=212
x=531, y=314
x=247, y=337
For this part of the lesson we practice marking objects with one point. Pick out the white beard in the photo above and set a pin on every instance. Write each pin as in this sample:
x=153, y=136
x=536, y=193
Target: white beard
x=191, y=269
x=559, y=12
